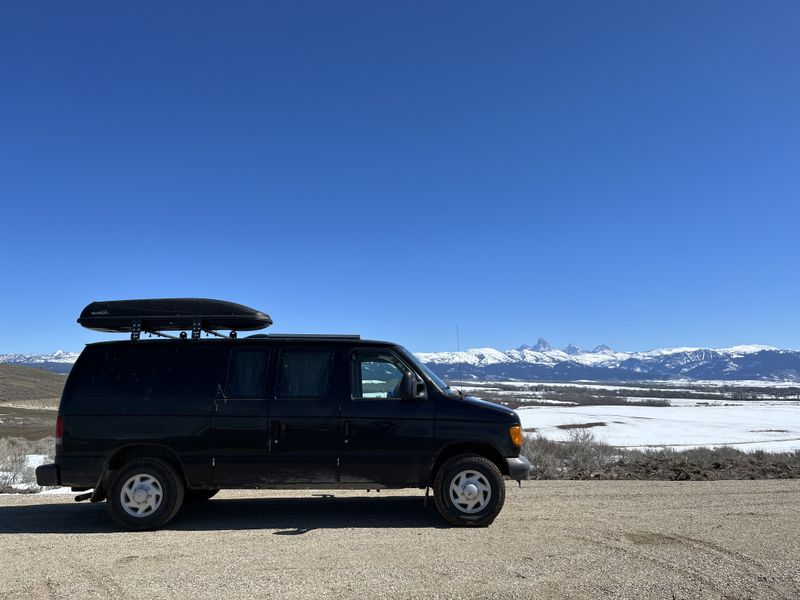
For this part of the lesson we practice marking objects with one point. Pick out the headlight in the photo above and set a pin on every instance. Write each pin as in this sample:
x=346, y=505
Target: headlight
x=515, y=431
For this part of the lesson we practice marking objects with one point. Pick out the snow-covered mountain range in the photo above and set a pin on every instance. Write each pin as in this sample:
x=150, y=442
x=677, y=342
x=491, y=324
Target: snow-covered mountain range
x=542, y=362
x=59, y=361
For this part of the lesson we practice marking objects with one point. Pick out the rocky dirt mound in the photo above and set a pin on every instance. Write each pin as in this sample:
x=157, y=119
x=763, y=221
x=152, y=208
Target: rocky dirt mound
x=582, y=457
x=681, y=468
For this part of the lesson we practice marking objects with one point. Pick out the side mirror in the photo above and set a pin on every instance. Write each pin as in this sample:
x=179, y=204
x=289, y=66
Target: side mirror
x=412, y=387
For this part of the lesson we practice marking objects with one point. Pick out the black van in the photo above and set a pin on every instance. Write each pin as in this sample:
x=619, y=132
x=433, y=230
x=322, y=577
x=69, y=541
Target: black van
x=148, y=425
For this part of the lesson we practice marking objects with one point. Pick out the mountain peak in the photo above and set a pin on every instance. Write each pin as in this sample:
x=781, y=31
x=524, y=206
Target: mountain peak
x=542, y=345
x=737, y=363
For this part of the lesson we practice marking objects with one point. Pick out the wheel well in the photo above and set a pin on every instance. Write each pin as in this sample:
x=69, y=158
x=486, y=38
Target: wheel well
x=123, y=455
x=485, y=450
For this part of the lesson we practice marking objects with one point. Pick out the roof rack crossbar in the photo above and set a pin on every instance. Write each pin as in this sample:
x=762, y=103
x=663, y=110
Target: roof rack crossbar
x=217, y=333
x=158, y=334
x=335, y=336
x=137, y=332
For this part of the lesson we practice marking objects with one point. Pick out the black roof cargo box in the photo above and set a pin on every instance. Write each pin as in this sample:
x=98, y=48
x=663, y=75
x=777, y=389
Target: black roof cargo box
x=171, y=314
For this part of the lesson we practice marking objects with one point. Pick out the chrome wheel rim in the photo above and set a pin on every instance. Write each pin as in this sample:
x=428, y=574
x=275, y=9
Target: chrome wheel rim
x=470, y=491
x=141, y=495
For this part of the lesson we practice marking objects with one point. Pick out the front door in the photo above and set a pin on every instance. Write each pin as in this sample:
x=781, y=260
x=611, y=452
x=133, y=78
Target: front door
x=240, y=419
x=304, y=416
x=386, y=440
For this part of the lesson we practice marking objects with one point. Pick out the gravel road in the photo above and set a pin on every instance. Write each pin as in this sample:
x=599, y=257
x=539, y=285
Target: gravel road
x=555, y=539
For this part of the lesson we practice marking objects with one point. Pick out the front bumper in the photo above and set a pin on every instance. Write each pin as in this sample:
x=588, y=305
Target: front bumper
x=48, y=475
x=519, y=468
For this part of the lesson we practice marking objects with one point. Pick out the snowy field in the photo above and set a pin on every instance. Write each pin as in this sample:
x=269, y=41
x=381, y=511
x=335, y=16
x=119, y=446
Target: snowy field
x=673, y=384
x=754, y=425
x=748, y=415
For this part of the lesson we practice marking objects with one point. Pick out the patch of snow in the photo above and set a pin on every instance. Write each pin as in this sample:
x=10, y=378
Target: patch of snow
x=712, y=383
x=36, y=460
x=59, y=490
x=551, y=401
x=752, y=425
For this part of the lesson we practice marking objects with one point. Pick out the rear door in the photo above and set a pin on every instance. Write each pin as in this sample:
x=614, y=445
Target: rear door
x=304, y=423
x=386, y=440
x=241, y=412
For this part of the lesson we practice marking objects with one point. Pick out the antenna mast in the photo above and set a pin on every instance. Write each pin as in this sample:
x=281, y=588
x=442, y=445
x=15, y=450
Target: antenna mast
x=458, y=349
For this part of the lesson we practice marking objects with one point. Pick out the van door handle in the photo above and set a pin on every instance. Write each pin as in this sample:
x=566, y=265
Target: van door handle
x=346, y=431
x=276, y=430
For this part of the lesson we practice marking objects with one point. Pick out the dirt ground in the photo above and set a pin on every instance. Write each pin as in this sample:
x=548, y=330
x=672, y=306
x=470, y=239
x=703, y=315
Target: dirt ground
x=554, y=539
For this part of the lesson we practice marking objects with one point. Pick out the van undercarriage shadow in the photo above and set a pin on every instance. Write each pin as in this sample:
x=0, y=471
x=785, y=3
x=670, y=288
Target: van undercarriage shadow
x=288, y=516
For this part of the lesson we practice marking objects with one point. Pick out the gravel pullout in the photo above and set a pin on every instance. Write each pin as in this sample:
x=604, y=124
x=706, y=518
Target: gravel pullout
x=554, y=539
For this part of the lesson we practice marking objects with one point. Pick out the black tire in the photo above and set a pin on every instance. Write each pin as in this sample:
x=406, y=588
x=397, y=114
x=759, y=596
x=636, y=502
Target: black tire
x=199, y=495
x=486, y=474
x=171, y=494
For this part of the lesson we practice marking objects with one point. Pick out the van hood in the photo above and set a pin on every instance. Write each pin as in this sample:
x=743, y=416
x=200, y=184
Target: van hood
x=498, y=408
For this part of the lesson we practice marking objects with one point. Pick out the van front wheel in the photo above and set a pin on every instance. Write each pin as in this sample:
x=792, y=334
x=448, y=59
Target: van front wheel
x=145, y=494
x=469, y=490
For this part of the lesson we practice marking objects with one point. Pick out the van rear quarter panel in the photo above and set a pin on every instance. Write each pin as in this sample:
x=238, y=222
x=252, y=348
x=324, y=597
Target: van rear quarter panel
x=95, y=428
x=91, y=440
x=92, y=437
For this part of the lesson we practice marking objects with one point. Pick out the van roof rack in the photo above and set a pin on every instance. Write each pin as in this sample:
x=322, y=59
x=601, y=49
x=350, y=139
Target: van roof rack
x=157, y=315
x=307, y=336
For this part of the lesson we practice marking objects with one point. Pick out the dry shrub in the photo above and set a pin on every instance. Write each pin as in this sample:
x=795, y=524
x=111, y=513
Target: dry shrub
x=561, y=460
x=14, y=466
x=13, y=462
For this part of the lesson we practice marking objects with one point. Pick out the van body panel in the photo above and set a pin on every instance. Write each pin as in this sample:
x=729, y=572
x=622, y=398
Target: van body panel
x=472, y=421
x=388, y=441
x=240, y=448
x=241, y=414
x=80, y=471
x=305, y=431
x=124, y=395
x=304, y=445
x=91, y=442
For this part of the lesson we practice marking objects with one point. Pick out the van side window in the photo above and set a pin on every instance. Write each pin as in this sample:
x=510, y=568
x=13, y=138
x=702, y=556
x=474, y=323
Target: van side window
x=304, y=373
x=206, y=370
x=113, y=372
x=247, y=374
x=376, y=374
x=168, y=372
x=94, y=374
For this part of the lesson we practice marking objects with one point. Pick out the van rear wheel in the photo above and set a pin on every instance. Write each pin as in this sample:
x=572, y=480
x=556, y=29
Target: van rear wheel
x=469, y=491
x=145, y=494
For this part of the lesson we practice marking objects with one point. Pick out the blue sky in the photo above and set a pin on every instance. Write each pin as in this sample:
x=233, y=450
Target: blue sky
x=621, y=172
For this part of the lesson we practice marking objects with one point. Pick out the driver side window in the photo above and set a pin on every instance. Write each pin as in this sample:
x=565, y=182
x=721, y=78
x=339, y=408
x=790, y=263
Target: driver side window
x=376, y=374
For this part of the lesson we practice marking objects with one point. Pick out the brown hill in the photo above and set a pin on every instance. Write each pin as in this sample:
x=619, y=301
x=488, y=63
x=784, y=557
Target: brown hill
x=27, y=385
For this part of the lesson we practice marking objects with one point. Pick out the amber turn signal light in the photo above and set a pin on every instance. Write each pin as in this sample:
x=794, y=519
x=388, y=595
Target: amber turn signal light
x=515, y=431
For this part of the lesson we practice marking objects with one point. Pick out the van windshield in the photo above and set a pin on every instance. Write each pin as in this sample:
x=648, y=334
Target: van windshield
x=425, y=369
